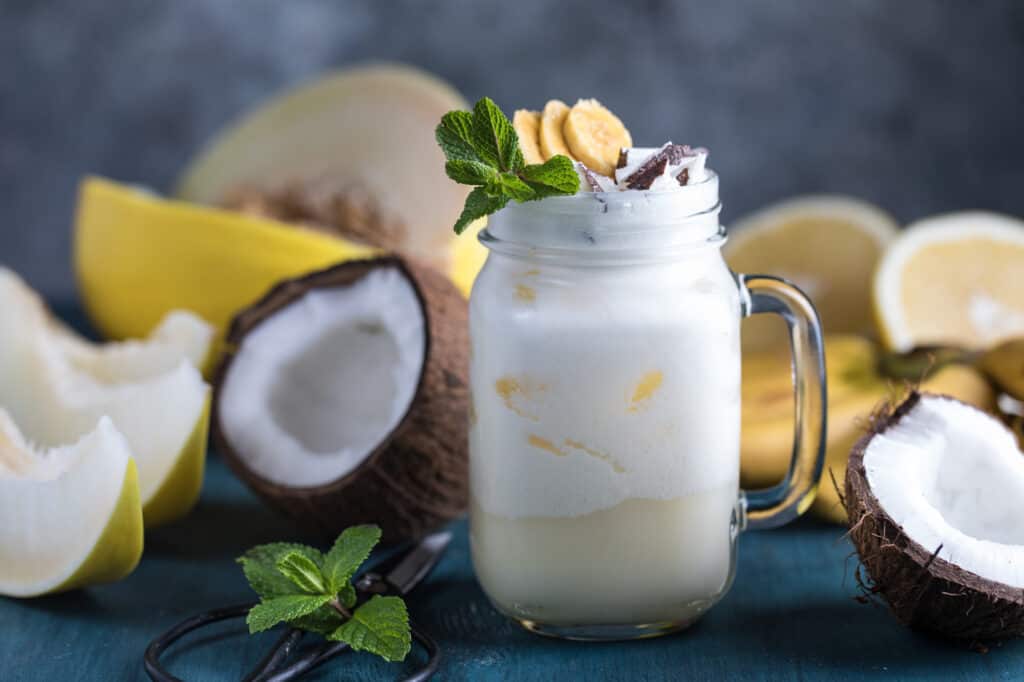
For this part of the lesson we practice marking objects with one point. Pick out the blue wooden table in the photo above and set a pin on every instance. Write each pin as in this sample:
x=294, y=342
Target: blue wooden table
x=791, y=615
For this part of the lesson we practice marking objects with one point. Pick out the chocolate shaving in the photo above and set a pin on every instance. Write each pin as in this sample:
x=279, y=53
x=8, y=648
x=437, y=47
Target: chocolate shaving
x=649, y=170
x=677, y=152
x=621, y=163
x=644, y=176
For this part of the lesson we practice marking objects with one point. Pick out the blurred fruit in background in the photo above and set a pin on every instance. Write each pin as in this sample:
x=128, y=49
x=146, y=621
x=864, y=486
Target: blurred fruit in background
x=949, y=286
x=138, y=255
x=826, y=245
x=860, y=378
x=955, y=279
x=341, y=168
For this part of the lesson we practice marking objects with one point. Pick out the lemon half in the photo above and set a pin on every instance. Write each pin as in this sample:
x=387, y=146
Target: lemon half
x=955, y=279
x=826, y=245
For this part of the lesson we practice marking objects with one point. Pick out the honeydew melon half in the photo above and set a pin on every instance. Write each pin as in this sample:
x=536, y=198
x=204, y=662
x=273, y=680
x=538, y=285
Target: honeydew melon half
x=353, y=151
x=71, y=514
x=57, y=387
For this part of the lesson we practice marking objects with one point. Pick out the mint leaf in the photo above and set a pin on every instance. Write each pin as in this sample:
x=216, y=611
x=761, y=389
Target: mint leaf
x=482, y=149
x=260, y=567
x=453, y=135
x=494, y=138
x=347, y=596
x=380, y=626
x=478, y=204
x=557, y=175
x=350, y=550
x=507, y=185
x=323, y=621
x=469, y=172
x=269, y=613
x=301, y=570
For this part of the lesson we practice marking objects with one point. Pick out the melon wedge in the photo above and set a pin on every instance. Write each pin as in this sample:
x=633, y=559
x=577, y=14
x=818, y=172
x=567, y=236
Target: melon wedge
x=138, y=257
x=56, y=387
x=71, y=515
x=372, y=126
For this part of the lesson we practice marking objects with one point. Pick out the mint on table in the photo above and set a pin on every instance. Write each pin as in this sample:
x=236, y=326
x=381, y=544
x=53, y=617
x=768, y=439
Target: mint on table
x=380, y=626
x=303, y=572
x=482, y=149
x=260, y=567
x=270, y=612
x=309, y=590
x=350, y=550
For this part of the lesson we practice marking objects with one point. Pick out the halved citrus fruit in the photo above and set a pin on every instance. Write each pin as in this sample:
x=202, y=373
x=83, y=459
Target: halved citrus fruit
x=826, y=245
x=955, y=279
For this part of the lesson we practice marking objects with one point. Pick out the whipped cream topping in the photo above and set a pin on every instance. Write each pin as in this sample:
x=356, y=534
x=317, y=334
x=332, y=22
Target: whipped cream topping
x=649, y=168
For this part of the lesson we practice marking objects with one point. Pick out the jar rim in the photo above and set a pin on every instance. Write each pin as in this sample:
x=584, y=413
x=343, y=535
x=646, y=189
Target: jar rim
x=603, y=227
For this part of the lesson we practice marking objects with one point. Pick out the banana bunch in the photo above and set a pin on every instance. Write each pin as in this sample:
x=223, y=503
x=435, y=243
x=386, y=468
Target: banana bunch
x=1004, y=366
x=586, y=132
x=860, y=378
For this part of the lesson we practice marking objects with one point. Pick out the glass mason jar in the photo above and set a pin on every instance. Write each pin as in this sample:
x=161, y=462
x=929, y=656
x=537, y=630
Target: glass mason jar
x=605, y=417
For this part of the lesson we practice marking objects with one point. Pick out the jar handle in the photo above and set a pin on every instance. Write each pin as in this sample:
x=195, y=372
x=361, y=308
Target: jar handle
x=780, y=504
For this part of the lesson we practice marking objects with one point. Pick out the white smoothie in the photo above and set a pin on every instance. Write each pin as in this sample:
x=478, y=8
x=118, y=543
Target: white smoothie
x=606, y=407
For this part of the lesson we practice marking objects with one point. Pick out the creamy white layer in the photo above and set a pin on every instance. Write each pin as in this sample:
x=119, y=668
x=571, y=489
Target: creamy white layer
x=595, y=385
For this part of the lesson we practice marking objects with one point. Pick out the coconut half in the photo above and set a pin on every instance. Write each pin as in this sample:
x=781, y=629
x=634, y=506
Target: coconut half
x=56, y=387
x=934, y=495
x=343, y=398
x=71, y=514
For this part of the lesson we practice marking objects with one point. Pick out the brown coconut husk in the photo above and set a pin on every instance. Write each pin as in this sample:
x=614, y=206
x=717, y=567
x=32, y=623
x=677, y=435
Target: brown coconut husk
x=416, y=478
x=924, y=591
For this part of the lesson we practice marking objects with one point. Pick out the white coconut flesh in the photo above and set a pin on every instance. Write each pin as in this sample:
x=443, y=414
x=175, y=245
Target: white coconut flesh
x=952, y=476
x=315, y=387
x=55, y=504
x=57, y=388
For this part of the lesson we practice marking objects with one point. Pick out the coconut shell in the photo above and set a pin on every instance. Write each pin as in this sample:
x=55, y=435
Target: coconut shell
x=925, y=592
x=416, y=478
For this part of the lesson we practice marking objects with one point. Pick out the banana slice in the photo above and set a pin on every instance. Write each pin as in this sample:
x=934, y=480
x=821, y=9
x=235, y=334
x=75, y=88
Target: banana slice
x=552, y=142
x=595, y=135
x=527, y=125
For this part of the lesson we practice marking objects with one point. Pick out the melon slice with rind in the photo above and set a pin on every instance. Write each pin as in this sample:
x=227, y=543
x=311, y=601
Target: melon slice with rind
x=57, y=387
x=138, y=257
x=71, y=514
x=372, y=126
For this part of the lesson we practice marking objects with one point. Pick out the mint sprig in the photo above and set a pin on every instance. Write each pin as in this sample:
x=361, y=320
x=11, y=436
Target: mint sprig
x=306, y=589
x=482, y=149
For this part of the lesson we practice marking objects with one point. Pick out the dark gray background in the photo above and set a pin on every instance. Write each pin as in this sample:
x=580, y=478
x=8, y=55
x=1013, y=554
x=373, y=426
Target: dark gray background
x=916, y=105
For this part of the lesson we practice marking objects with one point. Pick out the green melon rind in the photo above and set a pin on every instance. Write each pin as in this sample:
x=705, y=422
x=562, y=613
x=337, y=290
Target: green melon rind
x=180, y=490
x=119, y=548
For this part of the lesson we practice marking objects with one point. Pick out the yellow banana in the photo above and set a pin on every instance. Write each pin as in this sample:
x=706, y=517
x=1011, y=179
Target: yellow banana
x=1004, y=364
x=855, y=388
x=552, y=141
x=595, y=136
x=527, y=125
